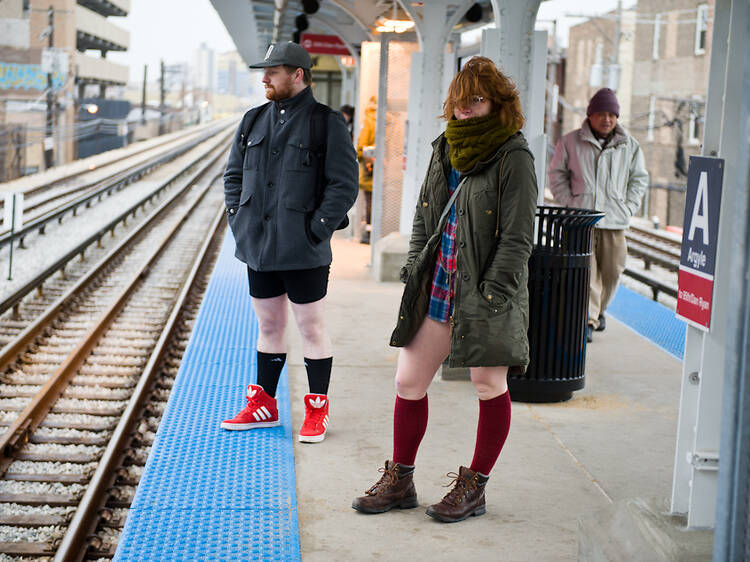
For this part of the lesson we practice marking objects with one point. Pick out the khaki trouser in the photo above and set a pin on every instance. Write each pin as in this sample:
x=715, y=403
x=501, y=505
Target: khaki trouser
x=607, y=263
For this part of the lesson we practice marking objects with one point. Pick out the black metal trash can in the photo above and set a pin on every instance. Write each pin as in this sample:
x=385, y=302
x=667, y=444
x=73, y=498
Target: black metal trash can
x=559, y=271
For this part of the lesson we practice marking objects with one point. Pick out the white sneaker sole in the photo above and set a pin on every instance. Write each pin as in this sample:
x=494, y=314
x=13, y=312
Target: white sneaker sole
x=311, y=438
x=241, y=426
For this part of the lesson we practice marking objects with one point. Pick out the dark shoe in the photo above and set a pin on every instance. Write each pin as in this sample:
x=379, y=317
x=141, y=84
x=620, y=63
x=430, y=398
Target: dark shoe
x=602, y=323
x=394, y=489
x=589, y=333
x=465, y=499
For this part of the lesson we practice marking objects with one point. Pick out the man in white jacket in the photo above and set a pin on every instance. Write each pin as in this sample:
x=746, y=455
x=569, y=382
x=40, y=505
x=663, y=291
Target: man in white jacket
x=600, y=166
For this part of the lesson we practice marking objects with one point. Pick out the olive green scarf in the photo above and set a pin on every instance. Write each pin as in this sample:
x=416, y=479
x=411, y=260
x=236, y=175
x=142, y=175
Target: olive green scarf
x=475, y=139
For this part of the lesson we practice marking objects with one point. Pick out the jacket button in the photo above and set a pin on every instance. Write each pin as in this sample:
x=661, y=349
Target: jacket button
x=462, y=244
x=425, y=204
x=283, y=111
x=275, y=151
x=270, y=184
x=489, y=297
x=281, y=121
x=267, y=218
x=460, y=211
x=322, y=220
x=465, y=277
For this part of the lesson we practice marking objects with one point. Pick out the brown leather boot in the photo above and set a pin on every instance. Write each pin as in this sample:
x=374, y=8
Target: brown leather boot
x=465, y=499
x=389, y=492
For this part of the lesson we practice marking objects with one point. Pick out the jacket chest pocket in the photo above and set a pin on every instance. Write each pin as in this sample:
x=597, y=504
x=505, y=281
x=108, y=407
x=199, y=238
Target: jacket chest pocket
x=253, y=152
x=300, y=156
x=482, y=205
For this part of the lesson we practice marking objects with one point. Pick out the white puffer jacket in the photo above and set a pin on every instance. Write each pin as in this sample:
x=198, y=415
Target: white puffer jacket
x=612, y=180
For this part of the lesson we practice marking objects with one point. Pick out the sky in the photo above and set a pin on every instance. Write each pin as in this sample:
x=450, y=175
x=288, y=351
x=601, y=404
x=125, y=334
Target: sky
x=173, y=29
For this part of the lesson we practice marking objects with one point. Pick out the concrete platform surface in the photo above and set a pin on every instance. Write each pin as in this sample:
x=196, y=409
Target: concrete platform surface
x=613, y=441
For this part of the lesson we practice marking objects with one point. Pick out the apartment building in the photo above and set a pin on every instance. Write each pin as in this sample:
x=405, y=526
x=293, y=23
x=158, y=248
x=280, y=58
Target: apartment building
x=660, y=74
x=672, y=57
x=50, y=52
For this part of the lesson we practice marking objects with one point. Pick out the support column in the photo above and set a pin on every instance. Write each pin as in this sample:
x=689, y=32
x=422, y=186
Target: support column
x=694, y=488
x=426, y=92
x=733, y=502
x=521, y=53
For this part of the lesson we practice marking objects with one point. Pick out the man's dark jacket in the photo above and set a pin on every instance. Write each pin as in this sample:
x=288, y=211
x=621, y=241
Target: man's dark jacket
x=275, y=218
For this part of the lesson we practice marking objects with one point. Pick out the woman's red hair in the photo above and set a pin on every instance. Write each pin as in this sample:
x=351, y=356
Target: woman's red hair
x=480, y=77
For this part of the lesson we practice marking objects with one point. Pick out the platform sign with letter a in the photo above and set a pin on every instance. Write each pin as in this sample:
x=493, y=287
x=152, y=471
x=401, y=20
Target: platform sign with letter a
x=700, y=234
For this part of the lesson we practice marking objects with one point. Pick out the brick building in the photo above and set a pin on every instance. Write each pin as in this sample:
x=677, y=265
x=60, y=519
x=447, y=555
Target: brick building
x=661, y=78
x=81, y=35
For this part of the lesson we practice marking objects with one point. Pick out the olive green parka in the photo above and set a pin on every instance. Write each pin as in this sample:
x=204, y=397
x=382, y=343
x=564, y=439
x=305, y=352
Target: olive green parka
x=494, y=237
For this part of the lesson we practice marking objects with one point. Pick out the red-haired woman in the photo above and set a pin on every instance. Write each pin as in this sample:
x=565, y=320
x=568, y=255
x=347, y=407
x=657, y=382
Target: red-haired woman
x=466, y=296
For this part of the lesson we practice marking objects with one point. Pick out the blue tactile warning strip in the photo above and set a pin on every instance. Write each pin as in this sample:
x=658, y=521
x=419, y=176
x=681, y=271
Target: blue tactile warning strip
x=207, y=493
x=652, y=320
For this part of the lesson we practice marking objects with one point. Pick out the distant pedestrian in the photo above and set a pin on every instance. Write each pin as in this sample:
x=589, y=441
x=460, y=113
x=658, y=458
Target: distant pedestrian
x=348, y=112
x=466, y=295
x=366, y=157
x=600, y=166
x=289, y=182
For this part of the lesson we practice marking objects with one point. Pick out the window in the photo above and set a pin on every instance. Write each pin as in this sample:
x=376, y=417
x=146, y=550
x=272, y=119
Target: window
x=651, y=118
x=657, y=36
x=701, y=28
x=695, y=123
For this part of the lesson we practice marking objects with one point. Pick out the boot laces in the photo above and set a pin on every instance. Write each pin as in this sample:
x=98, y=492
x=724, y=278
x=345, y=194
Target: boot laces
x=461, y=486
x=388, y=479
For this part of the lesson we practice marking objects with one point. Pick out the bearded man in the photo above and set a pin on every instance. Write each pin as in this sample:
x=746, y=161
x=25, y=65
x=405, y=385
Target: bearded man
x=291, y=177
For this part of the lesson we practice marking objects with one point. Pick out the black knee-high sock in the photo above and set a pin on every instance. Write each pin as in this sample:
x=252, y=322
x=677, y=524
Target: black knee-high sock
x=318, y=374
x=269, y=370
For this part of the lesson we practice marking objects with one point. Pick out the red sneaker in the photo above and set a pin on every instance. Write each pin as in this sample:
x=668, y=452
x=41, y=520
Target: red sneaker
x=260, y=411
x=316, y=418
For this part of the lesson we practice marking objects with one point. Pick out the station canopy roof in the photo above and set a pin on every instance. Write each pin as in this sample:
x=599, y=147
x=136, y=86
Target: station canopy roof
x=353, y=21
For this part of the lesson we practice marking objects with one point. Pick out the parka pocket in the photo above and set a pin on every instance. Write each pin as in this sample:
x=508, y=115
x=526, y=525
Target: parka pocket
x=249, y=181
x=298, y=218
x=301, y=156
x=253, y=152
x=496, y=299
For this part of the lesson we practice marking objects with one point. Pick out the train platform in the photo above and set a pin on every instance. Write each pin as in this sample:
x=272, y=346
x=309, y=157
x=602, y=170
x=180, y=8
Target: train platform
x=210, y=494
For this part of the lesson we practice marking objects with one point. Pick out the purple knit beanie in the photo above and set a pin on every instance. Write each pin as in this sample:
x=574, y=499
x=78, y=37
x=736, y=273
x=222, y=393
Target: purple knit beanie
x=604, y=100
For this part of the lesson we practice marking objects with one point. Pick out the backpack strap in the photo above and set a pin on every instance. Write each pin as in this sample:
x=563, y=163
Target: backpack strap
x=247, y=124
x=319, y=142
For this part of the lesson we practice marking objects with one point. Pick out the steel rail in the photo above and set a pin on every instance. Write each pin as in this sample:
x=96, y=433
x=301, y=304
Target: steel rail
x=30, y=205
x=26, y=423
x=15, y=298
x=51, y=185
x=74, y=543
x=39, y=223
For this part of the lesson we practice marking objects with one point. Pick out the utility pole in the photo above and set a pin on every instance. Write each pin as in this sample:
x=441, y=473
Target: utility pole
x=616, y=45
x=48, y=138
x=161, y=99
x=143, y=96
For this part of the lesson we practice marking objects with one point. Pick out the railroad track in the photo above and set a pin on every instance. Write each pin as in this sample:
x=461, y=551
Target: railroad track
x=84, y=384
x=65, y=182
x=56, y=203
x=48, y=286
x=654, y=248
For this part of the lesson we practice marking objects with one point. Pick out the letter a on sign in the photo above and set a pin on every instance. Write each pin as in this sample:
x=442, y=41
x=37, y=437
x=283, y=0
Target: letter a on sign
x=699, y=219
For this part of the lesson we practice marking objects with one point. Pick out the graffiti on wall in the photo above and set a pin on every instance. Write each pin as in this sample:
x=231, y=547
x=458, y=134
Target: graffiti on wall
x=15, y=76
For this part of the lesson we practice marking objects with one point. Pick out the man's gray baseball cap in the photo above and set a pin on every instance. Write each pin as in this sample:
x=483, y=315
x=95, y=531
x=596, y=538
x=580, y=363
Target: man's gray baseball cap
x=285, y=52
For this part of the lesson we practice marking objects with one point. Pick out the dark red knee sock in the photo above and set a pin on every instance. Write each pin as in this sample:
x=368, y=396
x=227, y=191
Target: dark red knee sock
x=409, y=425
x=492, y=429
